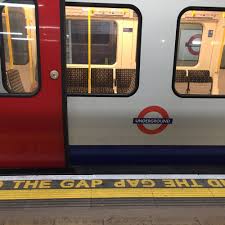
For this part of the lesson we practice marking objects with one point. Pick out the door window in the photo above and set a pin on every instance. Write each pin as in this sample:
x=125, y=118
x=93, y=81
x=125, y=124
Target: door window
x=19, y=69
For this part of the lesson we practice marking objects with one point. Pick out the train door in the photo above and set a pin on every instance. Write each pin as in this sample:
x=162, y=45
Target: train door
x=31, y=112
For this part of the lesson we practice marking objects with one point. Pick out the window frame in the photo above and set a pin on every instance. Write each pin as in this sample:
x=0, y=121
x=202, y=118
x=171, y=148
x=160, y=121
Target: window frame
x=190, y=8
x=138, y=52
x=2, y=56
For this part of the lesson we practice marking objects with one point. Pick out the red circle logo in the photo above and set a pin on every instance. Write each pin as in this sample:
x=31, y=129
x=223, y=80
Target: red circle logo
x=164, y=121
x=190, y=44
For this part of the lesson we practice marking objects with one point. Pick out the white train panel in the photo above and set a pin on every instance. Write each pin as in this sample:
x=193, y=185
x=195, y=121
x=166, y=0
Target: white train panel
x=177, y=120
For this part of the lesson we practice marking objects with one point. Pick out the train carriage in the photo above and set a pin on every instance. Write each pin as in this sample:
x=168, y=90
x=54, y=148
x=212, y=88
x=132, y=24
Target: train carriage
x=96, y=80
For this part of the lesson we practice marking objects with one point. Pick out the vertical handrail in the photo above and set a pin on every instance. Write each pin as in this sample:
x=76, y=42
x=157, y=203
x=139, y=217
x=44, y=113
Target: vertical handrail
x=222, y=45
x=9, y=38
x=221, y=50
x=29, y=38
x=89, y=50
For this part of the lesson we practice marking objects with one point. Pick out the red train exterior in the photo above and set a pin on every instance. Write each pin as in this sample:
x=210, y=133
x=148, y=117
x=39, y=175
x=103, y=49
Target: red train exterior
x=31, y=131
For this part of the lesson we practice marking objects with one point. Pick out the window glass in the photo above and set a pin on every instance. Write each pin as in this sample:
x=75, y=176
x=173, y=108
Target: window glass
x=189, y=44
x=101, y=49
x=103, y=40
x=18, y=49
x=200, y=54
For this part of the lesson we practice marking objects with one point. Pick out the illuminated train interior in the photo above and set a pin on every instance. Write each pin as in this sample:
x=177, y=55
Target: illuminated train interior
x=101, y=48
x=19, y=51
x=200, y=67
x=101, y=51
x=107, y=52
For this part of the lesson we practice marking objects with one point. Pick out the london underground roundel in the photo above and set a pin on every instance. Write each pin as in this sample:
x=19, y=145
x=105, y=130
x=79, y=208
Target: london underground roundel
x=193, y=44
x=148, y=123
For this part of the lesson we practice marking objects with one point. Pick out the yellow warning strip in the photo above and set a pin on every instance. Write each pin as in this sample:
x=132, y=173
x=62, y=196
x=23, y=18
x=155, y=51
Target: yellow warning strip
x=112, y=193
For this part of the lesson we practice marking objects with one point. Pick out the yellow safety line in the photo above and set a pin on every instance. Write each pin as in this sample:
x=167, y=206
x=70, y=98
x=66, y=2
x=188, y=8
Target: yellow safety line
x=29, y=36
x=89, y=50
x=9, y=38
x=112, y=193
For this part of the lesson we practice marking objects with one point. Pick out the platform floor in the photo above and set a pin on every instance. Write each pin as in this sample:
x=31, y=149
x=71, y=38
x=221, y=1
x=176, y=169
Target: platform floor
x=108, y=215
x=113, y=199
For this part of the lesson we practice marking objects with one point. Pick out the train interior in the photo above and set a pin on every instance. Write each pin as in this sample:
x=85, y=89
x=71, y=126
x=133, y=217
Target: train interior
x=200, y=65
x=101, y=51
x=101, y=48
x=19, y=49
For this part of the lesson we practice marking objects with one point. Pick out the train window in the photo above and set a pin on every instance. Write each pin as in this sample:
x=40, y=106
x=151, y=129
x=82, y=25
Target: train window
x=18, y=49
x=101, y=49
x=200, y=54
